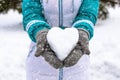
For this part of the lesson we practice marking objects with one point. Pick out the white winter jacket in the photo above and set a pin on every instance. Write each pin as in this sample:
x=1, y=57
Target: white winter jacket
x=63, y=10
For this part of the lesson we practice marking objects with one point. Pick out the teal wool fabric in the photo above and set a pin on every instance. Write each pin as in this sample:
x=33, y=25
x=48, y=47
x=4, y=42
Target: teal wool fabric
x=88, y=11
x=32, y=10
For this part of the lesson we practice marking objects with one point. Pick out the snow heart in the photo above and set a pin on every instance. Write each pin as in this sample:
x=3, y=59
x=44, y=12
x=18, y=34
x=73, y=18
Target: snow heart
x=62, y=41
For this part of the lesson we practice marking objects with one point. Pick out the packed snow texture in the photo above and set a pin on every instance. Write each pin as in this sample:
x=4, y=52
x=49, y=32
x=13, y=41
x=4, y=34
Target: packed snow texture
x=62, y=41
x=105, y=48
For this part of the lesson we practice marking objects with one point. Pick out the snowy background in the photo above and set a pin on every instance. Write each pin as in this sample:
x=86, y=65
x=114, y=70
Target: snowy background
x=105, y=48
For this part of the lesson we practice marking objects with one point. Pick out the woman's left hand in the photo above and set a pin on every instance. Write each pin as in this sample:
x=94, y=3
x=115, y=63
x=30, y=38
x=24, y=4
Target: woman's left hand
x=81, y=48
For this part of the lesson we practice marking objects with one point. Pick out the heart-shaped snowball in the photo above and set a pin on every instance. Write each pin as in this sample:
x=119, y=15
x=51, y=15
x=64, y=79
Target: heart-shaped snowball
x=62, y=41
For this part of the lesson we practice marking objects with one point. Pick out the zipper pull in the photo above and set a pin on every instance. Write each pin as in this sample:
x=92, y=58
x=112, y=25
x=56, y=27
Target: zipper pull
x=46, y=1
x=72, y=6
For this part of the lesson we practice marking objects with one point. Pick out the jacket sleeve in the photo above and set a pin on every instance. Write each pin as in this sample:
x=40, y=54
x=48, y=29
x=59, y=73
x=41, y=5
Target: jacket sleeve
x=87, y=16
x=33, y=18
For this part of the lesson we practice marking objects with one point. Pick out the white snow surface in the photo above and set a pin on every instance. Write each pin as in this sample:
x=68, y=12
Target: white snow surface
x=105, y=48
x=11, y=18
x=62, y=41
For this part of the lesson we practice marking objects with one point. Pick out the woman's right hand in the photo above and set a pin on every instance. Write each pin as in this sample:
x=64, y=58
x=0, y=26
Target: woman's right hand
x=43, y=49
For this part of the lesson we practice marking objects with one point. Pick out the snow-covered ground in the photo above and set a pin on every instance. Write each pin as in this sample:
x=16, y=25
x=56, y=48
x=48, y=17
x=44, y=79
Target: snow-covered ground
x=14, y=44
x=105, y=48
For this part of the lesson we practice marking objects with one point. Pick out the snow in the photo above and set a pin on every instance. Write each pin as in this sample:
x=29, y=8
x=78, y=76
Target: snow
x=11, y=18
x=14, y=44
x=58, y=40
x=105, y=48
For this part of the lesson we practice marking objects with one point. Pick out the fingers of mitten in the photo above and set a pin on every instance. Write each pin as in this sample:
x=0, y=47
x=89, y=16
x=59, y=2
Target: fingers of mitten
x=40, y=48
x=52, y=60
x=84, y=41
x=73, y=58
x=86, y=51
x=41, y=41
x=38, y=53
x=85, y=47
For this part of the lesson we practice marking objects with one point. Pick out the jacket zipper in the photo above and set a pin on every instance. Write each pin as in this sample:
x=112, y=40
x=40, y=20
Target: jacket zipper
x=60, y=13
x=60, y=2
x=72, y=6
